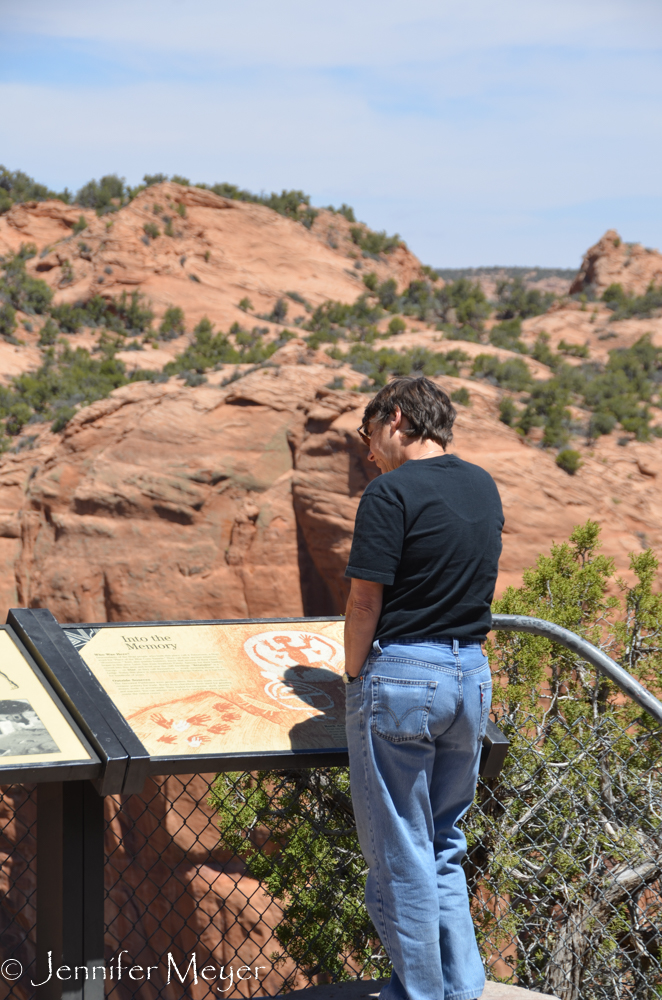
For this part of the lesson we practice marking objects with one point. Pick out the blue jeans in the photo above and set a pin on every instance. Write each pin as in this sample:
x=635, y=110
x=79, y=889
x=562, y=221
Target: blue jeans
x=416, y=717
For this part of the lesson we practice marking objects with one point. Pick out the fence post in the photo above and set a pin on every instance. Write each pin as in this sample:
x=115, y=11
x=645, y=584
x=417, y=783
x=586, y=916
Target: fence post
x=70, y=892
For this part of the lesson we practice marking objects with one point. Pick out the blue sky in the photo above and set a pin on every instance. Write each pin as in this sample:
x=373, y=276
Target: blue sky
x=484, y=133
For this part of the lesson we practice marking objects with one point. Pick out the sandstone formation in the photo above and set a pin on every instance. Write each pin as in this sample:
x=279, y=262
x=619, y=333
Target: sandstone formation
x=220, y=252
x=611, y=261
x=166, y=501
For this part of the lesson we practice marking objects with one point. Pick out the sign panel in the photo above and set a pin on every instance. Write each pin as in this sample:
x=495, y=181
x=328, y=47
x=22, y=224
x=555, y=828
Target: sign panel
x=225, y=688
x=34, y=729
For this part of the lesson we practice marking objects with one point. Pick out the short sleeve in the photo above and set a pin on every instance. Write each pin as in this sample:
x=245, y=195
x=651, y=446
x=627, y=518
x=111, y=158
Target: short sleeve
x=377, y=543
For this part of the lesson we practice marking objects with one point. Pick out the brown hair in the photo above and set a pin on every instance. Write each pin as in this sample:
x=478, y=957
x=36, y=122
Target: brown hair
x=427, y=408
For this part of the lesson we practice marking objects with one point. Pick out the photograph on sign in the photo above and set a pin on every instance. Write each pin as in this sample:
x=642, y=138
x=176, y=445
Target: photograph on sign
x=33, y=730
x=223, y=688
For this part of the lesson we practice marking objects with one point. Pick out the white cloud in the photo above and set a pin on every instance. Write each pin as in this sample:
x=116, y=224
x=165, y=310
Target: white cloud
x=367, y=32
x=478, y=131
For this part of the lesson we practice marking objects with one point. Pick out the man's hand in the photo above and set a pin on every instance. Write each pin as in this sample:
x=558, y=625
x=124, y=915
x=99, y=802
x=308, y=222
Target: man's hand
x=361, y=616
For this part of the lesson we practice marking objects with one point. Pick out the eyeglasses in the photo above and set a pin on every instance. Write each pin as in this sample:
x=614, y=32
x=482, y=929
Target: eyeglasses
x=364, y=437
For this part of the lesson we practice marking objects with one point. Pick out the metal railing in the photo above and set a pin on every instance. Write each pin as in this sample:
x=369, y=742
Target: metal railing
x=256, y=877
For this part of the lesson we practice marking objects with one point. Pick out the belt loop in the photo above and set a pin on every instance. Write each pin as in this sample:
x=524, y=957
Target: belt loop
x=456, y=647
x=376, y=647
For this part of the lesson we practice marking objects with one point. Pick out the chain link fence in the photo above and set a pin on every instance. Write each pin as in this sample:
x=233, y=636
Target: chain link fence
x=250, y=884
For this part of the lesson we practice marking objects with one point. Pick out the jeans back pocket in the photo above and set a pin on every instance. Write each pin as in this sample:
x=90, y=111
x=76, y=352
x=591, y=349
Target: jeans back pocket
x=485, y=704
x=400, y=708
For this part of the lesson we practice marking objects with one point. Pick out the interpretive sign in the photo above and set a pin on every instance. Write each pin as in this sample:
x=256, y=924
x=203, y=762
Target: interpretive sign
x=38, y=740
x=172, y=697
x=223, y=688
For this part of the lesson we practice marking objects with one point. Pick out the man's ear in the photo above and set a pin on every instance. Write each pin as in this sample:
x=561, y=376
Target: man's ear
x=396, y=419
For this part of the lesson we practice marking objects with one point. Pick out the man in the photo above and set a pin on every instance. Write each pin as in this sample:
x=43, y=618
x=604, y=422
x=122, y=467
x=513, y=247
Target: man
x=423, y=566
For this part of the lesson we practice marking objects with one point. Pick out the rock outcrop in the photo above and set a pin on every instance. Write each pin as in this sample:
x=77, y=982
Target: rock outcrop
x=611, y=261
x=167, y=501
x=209, y=254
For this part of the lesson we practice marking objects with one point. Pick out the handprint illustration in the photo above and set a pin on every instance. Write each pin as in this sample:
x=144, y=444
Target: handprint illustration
x=197, y=740
x=198, y=720
x=161, y=720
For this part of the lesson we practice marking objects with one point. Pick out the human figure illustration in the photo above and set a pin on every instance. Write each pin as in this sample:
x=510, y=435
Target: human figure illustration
x=299, y=653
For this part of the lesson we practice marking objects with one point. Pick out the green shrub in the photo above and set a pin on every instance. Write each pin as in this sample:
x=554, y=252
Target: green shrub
x=371, y=281
x=64, y=380
x=70, y=318
x=152, y=230
x=508, y=412
x=461, y=396
x=379, y=365
x=16, y=418
x=80, y=225
x=628, y=380
x=206, y=350
x=547, y=407
x=121, y=315
x=168, y=229
x=344, y=210
x=296, y=297
x=292, y=204
x=48, y=334
x=172, y=324
x=7, y=321
x=279, y=312
x=308, y=216
x=387, y=294
x=106, y=195
x=625, y=306
x=133, y=316
x=511, y=374
x=150, y=179
x=246, y=304
x=507, y=334
x=516, y=300
x=181, y=209
x=396, y=326
x=374, y=243
x=178, y=179
x=569, y=460
x=600, y=423
x=542, y=352
x=16, y=187
x=460, y=304
x=64, y=415
x=332, y=320
x=19, y=289
x=574, y=350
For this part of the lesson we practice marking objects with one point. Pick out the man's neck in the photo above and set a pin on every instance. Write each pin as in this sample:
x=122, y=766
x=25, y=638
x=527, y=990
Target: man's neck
x=419, y=449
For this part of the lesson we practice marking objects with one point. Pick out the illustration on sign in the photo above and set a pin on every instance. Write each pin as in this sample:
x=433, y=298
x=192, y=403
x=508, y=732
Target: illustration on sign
x=22, y=731
x=224, y=688
x=32, y=727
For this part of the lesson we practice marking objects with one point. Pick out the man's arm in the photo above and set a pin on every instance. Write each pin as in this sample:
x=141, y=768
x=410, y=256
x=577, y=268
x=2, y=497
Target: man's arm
x=361, y=617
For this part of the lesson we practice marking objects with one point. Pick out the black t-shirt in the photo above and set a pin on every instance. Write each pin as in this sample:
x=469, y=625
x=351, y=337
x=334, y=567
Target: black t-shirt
x=430, y=531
